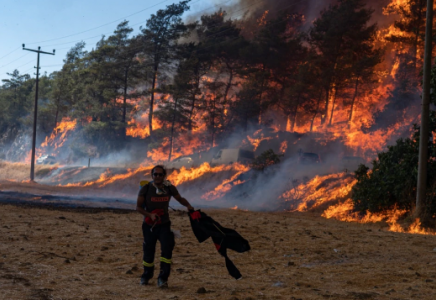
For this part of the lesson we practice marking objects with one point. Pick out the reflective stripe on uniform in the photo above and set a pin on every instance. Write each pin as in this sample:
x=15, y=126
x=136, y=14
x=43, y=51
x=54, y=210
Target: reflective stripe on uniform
x=165, y=260
x=146, y=264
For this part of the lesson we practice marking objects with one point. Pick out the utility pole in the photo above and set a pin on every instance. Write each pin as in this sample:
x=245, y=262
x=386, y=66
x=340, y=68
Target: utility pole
x=425, y=115
x=35, y=112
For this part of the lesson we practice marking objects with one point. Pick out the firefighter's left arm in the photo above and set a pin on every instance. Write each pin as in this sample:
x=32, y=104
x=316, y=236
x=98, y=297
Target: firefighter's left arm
x=183, y=201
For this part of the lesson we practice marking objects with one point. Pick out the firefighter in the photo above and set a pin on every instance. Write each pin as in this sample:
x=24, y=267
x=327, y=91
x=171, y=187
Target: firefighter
x=153, y=202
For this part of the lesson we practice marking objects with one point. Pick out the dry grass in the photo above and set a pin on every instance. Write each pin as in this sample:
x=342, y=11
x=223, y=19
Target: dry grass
x=21, y=171
x=94, y=254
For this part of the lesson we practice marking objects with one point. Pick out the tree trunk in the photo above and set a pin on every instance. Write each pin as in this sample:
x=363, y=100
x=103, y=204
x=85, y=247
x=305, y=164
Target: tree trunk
x=260, y=96
x=316, y=111
x=245, y=122
x=150, y=115
x=125, y=97
x=213, y=122
x=172, y=130
x=327, y=96
x=294, y=115
x=123, y=120
x=335, y=92
x=57, y=114
x=193, y=100
x=229, y=84
x=354, y=99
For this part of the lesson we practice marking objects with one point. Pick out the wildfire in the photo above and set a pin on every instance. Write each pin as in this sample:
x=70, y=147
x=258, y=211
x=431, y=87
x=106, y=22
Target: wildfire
x=288, y=124
x=184, y=175
x=334, y=189
x=183, y=145
x=283, y=147
x=227, y=184
x=262, y=20
x=58, y=136
x=106, y=177
x=395, y=68
x=319, y=190
x=256, y=141
x=140, y=128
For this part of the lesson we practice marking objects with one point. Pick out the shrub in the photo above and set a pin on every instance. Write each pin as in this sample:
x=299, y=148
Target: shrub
x=393, y=178
x=266, y=159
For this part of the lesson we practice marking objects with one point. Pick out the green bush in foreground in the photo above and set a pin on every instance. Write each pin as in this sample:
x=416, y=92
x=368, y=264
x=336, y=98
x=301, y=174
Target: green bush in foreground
x=393, y=178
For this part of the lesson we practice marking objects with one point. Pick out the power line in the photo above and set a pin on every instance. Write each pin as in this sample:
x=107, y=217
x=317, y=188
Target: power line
x=97, y=36
x=15, y=60
x=25, y=63
x=107, y=33
x=10, y=53
x=211, y=27
x=52, y=66
x=28, y=70
x=40, y=42
x=222, y=31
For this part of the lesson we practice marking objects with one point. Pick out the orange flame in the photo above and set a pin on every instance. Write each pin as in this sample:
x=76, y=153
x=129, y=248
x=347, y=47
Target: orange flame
x=58, y=136
x=256, y=141
x=336, y=187
x=227, y=184
x=184, y=175
x=141, y=129
x=283, y=147
x=106, y=177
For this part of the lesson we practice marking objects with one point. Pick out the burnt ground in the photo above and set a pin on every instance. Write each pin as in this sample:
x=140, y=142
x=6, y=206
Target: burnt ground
x=89, y=253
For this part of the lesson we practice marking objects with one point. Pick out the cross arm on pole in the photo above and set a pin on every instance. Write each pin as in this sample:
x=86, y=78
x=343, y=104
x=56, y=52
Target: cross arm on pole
x=39, y=51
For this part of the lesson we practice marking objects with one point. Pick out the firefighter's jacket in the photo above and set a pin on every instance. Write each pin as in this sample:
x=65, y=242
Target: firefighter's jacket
x=204, y=227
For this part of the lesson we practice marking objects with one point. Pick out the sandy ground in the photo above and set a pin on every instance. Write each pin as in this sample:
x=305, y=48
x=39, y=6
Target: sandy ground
x=59, y=253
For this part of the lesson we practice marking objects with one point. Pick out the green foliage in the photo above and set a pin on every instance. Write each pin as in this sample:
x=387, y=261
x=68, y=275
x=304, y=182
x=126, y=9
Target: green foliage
x=16, y=99
x=211, y=71
x=392, y=180
x=266, y=159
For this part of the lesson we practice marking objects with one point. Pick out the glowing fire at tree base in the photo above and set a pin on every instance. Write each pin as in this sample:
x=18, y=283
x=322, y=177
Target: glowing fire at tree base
x=335, y=189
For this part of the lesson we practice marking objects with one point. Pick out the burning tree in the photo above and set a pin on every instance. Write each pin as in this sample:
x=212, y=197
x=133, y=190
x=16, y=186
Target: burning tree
x=219, y=77
x=159, y=40
x=345, y=41
x=392, y=180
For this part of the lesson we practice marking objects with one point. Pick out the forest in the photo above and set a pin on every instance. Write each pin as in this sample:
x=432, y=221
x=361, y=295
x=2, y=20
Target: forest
x=219, y=76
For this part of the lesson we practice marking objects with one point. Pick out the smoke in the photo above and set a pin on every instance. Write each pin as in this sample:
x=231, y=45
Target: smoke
x=248, y=12
x=258, y=190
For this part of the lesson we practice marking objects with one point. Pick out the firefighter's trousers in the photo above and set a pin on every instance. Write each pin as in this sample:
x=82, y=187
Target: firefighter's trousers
x=165, y=236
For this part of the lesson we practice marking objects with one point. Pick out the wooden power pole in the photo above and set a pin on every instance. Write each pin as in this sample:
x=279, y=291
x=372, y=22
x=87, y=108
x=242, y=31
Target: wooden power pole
x=425, y=115
x=35, y=112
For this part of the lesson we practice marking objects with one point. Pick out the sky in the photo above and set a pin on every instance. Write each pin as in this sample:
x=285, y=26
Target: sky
x=59, y=24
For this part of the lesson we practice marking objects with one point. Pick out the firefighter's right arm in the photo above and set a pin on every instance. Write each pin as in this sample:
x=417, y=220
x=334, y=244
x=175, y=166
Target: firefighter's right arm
x=139, y=207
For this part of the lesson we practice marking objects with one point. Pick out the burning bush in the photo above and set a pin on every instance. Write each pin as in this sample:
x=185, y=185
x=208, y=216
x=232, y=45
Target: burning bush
x=266, y=159
x=392, y=180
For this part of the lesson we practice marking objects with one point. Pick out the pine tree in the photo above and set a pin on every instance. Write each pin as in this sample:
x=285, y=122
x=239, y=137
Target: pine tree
x=341, y=29
x=159, y=40
x=175, y=113
x=16, y=98
x=410, y=30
